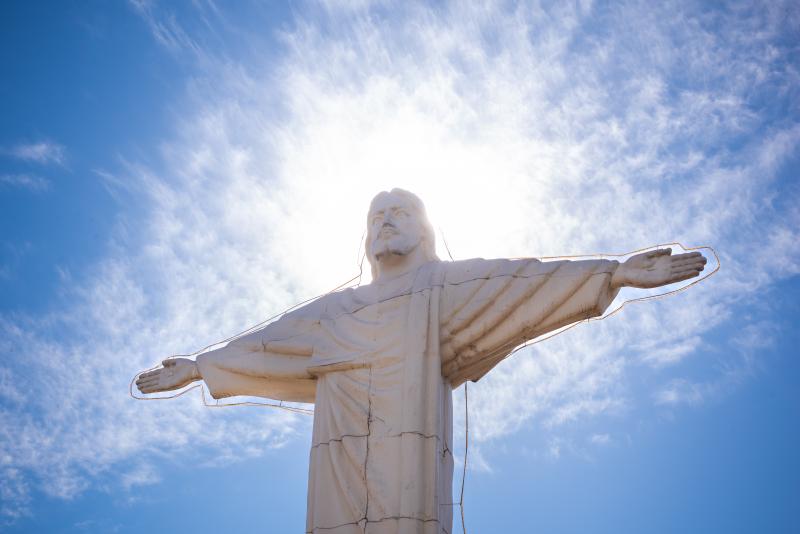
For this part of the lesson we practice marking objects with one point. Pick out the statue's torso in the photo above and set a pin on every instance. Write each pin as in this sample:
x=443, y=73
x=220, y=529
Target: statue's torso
x=358, y=425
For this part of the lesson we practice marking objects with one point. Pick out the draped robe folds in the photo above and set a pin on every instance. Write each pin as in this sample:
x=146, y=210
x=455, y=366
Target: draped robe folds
x=380, y=362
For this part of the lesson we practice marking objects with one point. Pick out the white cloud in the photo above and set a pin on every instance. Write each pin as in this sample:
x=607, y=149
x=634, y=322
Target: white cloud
x=14, y=492
x=681, y=391
x=527, y=131
x=738, y=364
x=142, y=475
x=26, y=181
x=554, y=449
x=600, y=439
x=165, y=28
x=42, y=152
x=670, y=353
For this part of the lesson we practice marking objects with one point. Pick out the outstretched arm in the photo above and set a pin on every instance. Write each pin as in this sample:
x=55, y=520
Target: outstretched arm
x=237, y=370
x=272, y=363
x=657, y=268
x=488, y=307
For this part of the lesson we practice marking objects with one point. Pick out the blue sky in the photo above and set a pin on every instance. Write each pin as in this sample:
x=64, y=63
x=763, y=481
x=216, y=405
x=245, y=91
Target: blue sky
x=173, y=172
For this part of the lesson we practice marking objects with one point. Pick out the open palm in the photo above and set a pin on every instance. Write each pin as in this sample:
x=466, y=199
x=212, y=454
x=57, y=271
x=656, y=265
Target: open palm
x=176, y=373
x=659, y=267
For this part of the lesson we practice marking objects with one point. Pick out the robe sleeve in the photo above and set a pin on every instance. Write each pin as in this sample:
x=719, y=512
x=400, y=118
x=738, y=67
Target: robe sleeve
x=271, y=362
x=489, y=307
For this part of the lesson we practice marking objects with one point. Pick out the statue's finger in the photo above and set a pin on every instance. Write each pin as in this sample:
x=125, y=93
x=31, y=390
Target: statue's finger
x=147, y=385
x=147, y=376
x=686, y=258
x=149, y=380
x=686, y=267
x=686, y=264
x=659, y=252
x=687, y=255
x=684, y=275
x=151, y=387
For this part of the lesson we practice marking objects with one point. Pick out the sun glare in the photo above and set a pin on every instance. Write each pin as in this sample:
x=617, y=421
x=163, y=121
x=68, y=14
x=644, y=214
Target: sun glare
x=478, y=193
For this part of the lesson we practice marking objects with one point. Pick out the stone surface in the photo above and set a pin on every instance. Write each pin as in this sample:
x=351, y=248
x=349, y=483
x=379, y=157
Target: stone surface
x=380, y=362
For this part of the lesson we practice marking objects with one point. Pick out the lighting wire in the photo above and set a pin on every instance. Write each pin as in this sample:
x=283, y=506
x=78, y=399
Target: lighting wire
x=357, y=279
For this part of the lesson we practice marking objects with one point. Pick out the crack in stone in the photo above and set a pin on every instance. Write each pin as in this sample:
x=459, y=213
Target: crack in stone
x=366, y=456
x=368, y=521
x=340, y=439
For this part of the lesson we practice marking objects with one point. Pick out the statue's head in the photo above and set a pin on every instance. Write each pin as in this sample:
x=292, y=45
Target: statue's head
x=397, y=224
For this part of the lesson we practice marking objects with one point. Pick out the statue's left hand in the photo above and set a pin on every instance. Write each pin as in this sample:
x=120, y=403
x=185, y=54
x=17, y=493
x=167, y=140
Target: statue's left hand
x=658, y=268
x=176, y=373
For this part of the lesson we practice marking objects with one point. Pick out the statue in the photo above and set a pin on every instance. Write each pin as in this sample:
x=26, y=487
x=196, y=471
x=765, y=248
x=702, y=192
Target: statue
x=380, y=361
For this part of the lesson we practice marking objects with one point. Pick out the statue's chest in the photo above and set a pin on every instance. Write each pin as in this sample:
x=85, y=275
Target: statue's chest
x=367, y=328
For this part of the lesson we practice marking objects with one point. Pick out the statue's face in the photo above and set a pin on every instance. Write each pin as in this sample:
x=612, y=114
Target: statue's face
x=393, y=227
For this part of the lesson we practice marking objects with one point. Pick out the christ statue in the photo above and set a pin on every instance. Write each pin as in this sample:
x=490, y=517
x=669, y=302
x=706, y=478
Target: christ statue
x=380, y=362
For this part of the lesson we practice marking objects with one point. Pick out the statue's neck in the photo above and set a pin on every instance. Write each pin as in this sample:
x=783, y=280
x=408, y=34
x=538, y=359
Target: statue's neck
x=392, y=266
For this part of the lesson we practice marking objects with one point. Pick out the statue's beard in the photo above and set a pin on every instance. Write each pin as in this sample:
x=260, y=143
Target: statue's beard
x=396, y=245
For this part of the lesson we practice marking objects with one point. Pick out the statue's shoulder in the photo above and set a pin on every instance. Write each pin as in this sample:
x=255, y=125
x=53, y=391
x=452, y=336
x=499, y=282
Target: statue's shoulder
x=342, y=301
x=310, y=311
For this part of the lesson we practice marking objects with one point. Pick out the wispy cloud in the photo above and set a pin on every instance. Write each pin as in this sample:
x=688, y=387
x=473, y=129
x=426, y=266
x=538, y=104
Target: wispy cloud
x=164, y=27
x=600, y=439
x=682, y=391
x=30, y=182
x=740, y=363
x=14, y=492
x=527, y=131
x=42, y=152
x=142, y=475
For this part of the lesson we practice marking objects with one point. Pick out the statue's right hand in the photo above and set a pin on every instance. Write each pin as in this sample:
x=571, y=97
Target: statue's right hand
x=175, y=374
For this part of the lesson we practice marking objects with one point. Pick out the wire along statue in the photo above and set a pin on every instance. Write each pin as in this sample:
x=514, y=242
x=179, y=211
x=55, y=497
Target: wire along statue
x=380, y=361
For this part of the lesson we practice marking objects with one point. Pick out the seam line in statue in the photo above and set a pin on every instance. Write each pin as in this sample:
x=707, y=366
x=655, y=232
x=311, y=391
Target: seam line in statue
x=421, y=328
x=366, y=456
x=355, y=436
x=443, y=285
x=369, y=521
x=508, y=281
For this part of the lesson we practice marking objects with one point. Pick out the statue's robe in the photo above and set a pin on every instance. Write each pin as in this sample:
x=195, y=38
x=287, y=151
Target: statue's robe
x=380, y=363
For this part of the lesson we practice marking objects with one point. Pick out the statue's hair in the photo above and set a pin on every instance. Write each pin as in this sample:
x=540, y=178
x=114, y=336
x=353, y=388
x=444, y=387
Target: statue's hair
x=428, y=242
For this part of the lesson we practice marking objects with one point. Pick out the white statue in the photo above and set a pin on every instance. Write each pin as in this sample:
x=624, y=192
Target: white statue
x=380, y=362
